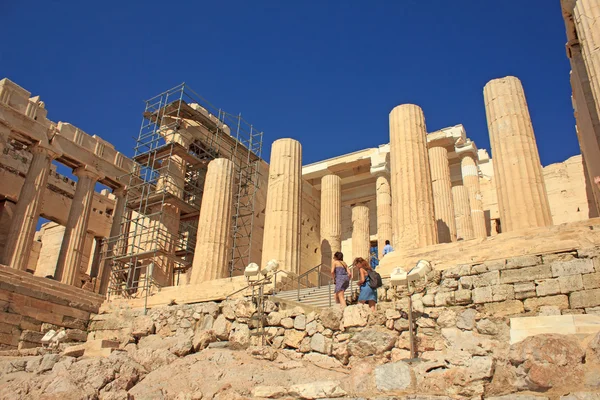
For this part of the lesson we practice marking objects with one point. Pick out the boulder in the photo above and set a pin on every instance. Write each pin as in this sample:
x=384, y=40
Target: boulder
x=447, y=318
x=222, y=327
x=143, y=325
x=300, y=322
x=331, y=318
x=293, y=338
x=239, y=338
x=392, y=376
x=274, y=318
x=203, y=338
x=287, y=323
x=357, y=315
x=321, y=360
x=592, y=353
x=320, y=344
x=371, y=341
x=466, y=319
x=487, y=327
x=547, y=361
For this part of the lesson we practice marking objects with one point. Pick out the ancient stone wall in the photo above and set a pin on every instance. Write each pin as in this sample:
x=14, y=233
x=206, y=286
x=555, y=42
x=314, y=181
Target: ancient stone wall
x=464, y=317
x=30, y=305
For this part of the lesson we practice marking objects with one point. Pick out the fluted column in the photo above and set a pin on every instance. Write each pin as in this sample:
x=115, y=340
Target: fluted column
x=383, y=192
x=281, y=239
x=586, y=16
x=214, y=238
x=462, y=210
x=522, y=199
x=331, y=217
x=412, y=198
x=361, y=239
x=22, y=229
x=71, y=250
x=441, y=186
x=470, y=177
x=115, y=230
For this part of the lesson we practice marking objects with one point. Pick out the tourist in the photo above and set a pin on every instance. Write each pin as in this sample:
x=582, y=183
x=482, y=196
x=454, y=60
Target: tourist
x=341, y=275
x=367, y=295
x=387, y=248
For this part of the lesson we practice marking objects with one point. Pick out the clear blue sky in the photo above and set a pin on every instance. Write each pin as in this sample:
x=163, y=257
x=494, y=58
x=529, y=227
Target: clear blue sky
x=324, y=72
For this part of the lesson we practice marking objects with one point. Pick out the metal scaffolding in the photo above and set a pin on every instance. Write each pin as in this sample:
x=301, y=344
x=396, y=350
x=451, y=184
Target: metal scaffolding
x=180, y=134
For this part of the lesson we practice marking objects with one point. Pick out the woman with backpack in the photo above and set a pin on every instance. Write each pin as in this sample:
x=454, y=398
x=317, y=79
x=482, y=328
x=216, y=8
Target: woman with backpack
x=369, y=282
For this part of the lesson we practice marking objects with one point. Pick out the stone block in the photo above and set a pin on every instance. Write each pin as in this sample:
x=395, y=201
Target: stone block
x=588, y=252
x=525, y=274
x=462, y=297
x=487, y=279
x=547, y=287
x=428, y=300
x=549, y=310
x=444, y=299
x=31, y=336
x=570, y=283
x=572, y=267
x=533, y=304
x=482, y=295
x=504, y=308
x=392, y=376
x=467, y=282
x=523, y=261
x=524, y=290
x=479, y=269
x=495, y=265
x=503, y=292
x=585, y=298
x=591, y=281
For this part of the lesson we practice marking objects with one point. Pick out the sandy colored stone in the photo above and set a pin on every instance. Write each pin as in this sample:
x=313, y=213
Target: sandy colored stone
x=331, y=217
x=462, y=211
x=383, y=192
x=442, y=193
x=470, y=177
x=360, y=232
x=522, y=199
x=214, y=236
x=281, y=238
x=412, y=197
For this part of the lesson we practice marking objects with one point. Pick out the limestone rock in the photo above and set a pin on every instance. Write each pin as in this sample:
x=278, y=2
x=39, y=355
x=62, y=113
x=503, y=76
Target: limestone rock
x=287, y=323
x=239, y=338
x=447, y=318
x=392, y=376
x=331, y=318
x=293, y=338
x=356, y=316
x=592, y=353
x=487, y=327
x=321, y=360
x=269, y=392
x=549, y=360
x=466, y=319
x=222, y=328
x=203, y=338
x=143, y=325
x=581, y=396
x=300, y=322
x=317, y=390
x=274, y=318
x=371, y=341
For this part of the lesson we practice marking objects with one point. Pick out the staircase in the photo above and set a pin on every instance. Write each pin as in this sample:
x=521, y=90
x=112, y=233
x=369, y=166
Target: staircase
x=315, y=297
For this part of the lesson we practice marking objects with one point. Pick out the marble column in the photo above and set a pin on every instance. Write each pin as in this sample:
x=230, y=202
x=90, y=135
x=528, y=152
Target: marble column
x=361, y=240
x=22, y=229
x=281, y=239
x=72, y=248
x=412, y=198
x=383, y=192
x=522, y=199
x=114, y=242
x=441, y=185
x=470, y=177
x=331, y=217
x=215, y=237
x=462, y=210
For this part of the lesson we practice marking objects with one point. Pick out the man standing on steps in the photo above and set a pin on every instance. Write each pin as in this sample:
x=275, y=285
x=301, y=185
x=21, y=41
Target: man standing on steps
x=387, y=248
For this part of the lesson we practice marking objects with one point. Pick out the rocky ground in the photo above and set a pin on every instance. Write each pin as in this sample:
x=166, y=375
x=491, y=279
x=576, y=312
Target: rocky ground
x=207, y=351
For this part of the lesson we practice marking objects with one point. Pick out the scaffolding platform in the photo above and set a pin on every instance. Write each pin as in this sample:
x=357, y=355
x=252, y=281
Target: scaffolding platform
x=180, y=134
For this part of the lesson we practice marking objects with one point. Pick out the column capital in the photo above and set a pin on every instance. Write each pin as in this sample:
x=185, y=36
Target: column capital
x=119, y=191
x=88, y=172
x=44, y=149
x=380, y=164
x=467, y=149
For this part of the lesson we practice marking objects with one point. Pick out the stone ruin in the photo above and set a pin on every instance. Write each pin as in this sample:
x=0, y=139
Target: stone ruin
x=138, y=291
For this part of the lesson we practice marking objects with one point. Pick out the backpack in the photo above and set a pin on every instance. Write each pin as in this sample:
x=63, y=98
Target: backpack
x=375, y=280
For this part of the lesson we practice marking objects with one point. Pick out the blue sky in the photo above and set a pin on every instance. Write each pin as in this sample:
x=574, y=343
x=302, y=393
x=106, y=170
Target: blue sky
x=324, y=72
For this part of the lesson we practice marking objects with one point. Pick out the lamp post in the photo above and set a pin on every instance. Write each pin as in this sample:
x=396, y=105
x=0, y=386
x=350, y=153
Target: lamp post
x=400, y=277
